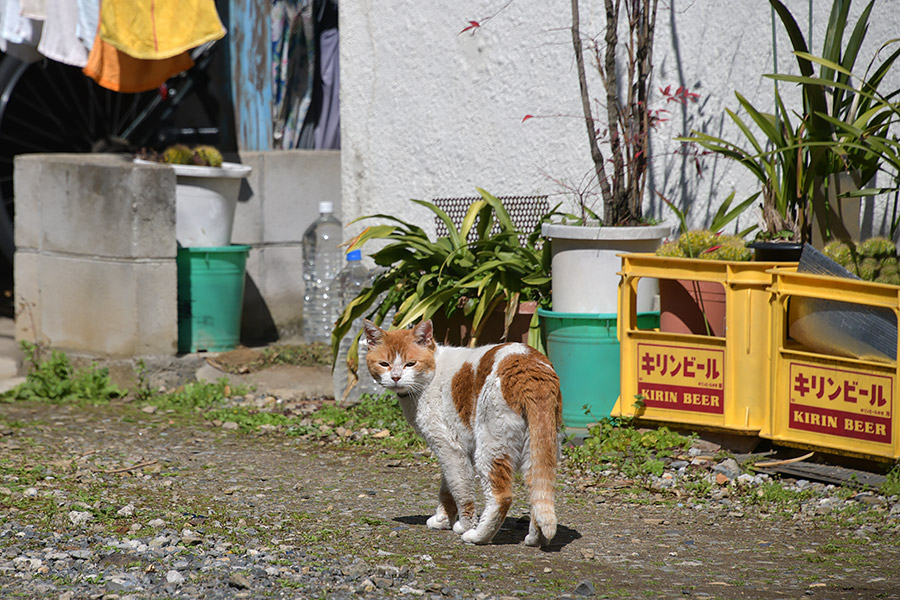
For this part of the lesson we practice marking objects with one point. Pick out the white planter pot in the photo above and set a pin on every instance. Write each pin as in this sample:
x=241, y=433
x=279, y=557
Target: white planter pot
x=205, y=201
x=585, y=266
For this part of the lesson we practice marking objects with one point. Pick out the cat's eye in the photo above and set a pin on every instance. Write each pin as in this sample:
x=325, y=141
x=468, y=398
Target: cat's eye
x=384, y=364
x=411, y=363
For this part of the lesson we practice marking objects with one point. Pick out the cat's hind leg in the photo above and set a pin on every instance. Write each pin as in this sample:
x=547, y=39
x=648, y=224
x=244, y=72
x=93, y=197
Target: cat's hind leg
x=445, y=515
x=496, y=478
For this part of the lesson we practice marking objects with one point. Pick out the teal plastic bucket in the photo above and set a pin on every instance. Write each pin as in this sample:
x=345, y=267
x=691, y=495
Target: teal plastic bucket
x=584, y=351
x=210, y=297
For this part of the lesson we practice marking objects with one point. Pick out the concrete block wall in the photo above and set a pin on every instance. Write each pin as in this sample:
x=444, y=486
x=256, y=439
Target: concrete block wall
x=95, y=254
x=95, y=269
x=281, y=199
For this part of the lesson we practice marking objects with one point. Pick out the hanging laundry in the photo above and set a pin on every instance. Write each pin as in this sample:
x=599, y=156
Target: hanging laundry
x=88, y=21
x=293, y=56
x=117, y=71
x=321, y=128
x=328, y=129
x=19, y=36
x=155, y=29
x=33, y=9
x=59, y=41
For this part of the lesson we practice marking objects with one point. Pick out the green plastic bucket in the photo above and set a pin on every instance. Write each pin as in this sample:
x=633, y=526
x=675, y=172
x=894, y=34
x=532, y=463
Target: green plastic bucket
x=210, y=297
x=584, y=351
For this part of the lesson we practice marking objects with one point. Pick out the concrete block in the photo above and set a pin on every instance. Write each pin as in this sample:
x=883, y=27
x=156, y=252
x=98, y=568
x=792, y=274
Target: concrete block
x=27, y=179
x=248, y=225
x=96, y=205
x=282, y=286
x=28, y=304
x=295, y=181
x=106, y=307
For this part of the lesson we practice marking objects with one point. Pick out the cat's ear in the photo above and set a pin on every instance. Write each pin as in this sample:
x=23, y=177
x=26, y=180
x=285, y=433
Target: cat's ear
x=424, y=333
x=374, y=333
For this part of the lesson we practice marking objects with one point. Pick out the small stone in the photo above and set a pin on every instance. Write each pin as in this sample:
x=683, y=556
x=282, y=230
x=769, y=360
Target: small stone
x=77, y=517
x=126, y=511
x=149, y=409
x=239, y=581
x=174, y=577
x=5, y=491
x=722, y=478
x=189, y=538
x=230, y=425
x=585, y=588
x=30, y=493
x=588, y=554
x=728, y=467
x=157, y=523
x=381, y=434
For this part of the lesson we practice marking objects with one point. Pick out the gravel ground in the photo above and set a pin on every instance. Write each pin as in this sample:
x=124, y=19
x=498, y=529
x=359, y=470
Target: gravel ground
x=113, y=503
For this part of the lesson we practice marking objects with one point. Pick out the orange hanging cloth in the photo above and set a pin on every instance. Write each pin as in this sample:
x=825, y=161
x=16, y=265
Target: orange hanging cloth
x=115, y=70
x=156, y=29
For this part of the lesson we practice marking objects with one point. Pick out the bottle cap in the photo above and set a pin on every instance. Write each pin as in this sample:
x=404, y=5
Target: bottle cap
x=326, y=207
x=354, y=255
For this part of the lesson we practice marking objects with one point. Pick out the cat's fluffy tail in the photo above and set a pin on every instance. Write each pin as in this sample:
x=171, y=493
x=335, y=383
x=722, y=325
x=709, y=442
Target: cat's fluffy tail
x=544, y=415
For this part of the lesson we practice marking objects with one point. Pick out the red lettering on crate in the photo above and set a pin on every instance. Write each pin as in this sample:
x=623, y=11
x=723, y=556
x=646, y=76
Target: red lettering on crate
x=855, y=404
x=675, y=397
x=679, y=377
x=841, y=423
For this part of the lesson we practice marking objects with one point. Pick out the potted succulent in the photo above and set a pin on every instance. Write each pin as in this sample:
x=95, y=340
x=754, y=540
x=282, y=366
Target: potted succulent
x=206, y=193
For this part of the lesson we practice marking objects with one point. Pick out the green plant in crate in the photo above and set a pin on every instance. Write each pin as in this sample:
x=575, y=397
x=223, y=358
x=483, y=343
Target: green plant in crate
x=421, y=277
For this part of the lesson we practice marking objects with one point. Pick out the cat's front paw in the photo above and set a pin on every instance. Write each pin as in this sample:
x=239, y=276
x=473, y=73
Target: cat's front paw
x=473, y=537
x=438, y=522
x=536, y=539
x=460, y=528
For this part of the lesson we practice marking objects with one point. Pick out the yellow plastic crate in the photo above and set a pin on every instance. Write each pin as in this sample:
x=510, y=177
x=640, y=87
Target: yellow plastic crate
x=705, y=382
x=845, y=405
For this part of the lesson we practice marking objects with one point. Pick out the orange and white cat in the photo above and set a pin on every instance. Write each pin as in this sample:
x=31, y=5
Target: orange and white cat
x=486, y=411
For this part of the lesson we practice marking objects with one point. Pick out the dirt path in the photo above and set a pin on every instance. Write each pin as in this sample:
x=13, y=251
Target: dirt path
x=271, y=491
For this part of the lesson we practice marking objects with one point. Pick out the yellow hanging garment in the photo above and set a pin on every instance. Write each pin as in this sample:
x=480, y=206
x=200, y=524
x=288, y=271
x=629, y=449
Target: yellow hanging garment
x=155, y=29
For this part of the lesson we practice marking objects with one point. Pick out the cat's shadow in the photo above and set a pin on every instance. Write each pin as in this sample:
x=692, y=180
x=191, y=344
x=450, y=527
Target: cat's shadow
x=512, y=532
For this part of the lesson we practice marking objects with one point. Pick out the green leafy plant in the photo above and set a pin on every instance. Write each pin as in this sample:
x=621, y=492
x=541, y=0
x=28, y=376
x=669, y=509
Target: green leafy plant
x=476, y=268
x=54, y=380
x=839, y=128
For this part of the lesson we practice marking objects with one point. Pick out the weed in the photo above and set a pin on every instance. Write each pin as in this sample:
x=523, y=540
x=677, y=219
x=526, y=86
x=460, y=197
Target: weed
x=54, y=380
x=633, y=452
x=891, y=486
x=200, y=395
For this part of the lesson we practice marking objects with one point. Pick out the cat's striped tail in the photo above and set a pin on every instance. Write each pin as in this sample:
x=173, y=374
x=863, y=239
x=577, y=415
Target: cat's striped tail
x=544, y=416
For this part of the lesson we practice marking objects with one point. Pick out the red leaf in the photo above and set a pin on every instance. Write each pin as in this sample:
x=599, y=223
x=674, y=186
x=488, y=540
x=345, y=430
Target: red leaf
x=526, y=117
x=472, y=25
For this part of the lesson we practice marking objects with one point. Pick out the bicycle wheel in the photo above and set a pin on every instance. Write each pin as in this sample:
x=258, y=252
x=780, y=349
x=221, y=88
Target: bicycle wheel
x=48, y=106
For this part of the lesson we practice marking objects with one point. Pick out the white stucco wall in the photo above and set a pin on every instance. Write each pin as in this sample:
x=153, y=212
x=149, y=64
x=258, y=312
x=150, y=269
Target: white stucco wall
x=430, y=112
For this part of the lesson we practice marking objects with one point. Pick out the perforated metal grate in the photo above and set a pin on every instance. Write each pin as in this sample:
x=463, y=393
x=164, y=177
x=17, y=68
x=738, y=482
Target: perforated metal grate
x=525, y=212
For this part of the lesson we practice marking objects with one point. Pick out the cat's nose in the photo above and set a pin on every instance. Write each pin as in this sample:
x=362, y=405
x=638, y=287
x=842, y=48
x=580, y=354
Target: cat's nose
x=396, y=378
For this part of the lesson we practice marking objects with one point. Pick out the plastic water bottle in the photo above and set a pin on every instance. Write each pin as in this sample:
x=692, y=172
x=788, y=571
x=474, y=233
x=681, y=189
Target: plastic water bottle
x=321, y=262
x=347, y=286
